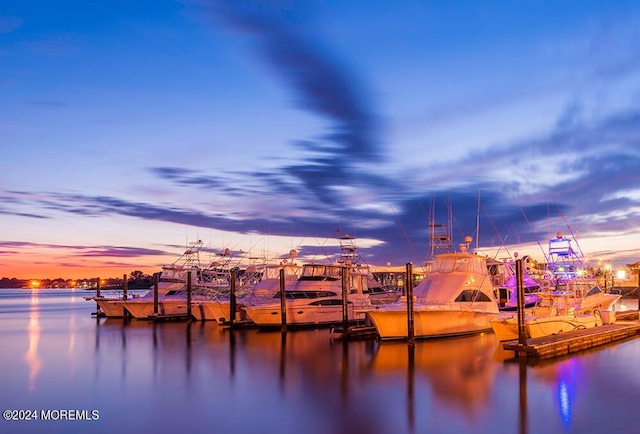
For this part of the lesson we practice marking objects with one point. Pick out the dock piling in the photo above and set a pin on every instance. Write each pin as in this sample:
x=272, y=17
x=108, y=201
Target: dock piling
x=345, y=306
x=189, y=289
x=97, y=295
x=283, y=303
x=124, y=286
x=156, y=284
x=410, y=315
x=232, y=299
x=522, y=332
x=124, y=294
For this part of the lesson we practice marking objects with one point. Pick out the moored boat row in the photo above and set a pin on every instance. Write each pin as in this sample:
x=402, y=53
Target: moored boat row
x=463, y=293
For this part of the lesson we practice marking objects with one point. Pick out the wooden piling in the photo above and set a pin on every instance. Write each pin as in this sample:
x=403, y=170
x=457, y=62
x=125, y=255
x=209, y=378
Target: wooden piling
x=97, y=295
x=156, y=284
x=124, y=294
x=283, y=303
x=522, y=332
x=189, y=289
x=125, y=285
x=410, y=314
x=232, y=298
x=345, y=300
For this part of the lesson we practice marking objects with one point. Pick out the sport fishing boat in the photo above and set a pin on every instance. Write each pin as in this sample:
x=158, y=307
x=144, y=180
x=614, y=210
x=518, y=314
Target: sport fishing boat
x=567, y=274
x=551, y=316
x=205, y=282
x=315, y=298
x=217, y=307
x=455, y=298
x=571, y=298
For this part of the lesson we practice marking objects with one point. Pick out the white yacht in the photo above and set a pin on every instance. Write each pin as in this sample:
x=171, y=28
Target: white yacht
x=217, y=307
x=551, y=316
x=455, y=298
x=172, y=287
x=315, y=298
x=571, y=298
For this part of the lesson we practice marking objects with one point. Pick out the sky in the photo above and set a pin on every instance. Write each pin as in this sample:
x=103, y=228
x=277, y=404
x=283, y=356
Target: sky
x=131, y=129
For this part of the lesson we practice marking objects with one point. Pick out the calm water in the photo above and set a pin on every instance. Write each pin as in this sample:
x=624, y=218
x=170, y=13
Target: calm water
x=173, y=378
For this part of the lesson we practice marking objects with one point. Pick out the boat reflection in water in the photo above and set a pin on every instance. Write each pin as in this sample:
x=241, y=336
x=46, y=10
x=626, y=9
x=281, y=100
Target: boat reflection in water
x=441, y=385
x=205, y=377
x=459, y=372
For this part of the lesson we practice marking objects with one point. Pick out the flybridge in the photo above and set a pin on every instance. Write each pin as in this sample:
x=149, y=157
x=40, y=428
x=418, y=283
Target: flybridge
x=564, y=262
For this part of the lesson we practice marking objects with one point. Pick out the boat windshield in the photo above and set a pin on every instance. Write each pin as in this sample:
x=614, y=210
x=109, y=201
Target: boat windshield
x=472, y=295
x=470, y=264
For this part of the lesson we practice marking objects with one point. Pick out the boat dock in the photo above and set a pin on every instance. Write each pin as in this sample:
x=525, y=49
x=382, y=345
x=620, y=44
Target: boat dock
x=578, y=340
x=161, y=317
x=352, y=332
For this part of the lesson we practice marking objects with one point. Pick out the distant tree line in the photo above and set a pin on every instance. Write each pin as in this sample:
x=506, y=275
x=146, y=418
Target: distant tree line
x=6, y=282
x=135, y=280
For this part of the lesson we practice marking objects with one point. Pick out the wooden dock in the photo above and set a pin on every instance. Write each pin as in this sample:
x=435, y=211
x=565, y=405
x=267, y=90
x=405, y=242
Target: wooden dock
x=238, y=324
x=353, y=332
x=159, y=317
x=570, y=342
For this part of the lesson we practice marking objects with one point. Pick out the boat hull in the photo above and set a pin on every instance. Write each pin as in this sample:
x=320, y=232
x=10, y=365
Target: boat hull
x=111, y=308
x=506, y=328
x=211, y=310
x=393, y=324
x=144, y=309
x=270, y=315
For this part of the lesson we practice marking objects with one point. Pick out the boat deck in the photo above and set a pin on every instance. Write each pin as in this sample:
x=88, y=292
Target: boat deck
x=570, y=342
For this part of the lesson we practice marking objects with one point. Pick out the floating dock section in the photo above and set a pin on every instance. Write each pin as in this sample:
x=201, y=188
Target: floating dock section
x=353, y=332
x=159, y=317
x=571, y=342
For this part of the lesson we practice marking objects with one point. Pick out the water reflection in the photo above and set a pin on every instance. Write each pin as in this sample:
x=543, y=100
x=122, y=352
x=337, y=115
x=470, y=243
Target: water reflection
x=34, y=362
x=459, y=371
x=564, y=377
x=302, y=380
x=523, y=407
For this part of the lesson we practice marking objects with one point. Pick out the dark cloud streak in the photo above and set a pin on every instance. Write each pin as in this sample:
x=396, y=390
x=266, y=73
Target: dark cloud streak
x=321, y=85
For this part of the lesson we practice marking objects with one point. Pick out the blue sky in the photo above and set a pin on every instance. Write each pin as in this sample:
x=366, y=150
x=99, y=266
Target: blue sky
x=129, y=129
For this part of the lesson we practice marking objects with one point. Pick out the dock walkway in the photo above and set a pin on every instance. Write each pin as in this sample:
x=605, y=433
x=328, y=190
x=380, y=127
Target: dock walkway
x=570, y=342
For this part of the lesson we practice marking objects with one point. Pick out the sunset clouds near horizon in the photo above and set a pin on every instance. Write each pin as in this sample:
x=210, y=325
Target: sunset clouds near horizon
x=131, y=129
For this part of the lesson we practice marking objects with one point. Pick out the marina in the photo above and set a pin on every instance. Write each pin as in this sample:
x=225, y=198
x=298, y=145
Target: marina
x=193, y=375
x=185, y=182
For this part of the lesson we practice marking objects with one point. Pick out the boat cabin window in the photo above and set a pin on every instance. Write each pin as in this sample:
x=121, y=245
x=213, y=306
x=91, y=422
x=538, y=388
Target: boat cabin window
x=472, y=295
x=375, y=290
x=329, y=302
x=593, y=291
x=531, y=289
x=293, y=295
